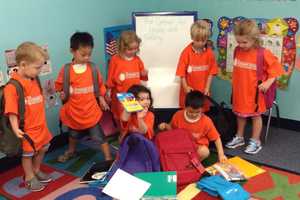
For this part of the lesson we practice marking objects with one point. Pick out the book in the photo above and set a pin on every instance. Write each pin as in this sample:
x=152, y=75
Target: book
x=229, y=171
x=249, y=170
x=189, y=192
x=163, y=185
x=244, y=167
x=129, y=102
x=96, y=172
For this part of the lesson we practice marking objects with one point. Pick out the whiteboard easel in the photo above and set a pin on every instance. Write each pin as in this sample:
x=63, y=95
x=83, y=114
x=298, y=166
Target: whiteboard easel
x=164, y=35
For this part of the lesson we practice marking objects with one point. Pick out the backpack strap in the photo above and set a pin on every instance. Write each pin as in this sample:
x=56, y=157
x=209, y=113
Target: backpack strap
x=259, y=72
x=95, y=79
x=21, y=108
x=21, y=102
x=66, y=82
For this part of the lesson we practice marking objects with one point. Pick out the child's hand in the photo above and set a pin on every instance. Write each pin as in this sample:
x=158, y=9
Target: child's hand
x=19, y=133
x=103, y=104
x=264, y=86
x=187, y=89
x=206, y=92
x=162, y=126
x=222, y=158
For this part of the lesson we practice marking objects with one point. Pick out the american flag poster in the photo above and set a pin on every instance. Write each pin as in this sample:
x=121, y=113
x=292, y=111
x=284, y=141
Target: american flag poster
x=111, y=36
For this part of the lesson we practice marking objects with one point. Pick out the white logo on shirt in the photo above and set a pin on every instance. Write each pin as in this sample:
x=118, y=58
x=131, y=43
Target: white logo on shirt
x=244, y=65
x=29, y=100
x=200, y=68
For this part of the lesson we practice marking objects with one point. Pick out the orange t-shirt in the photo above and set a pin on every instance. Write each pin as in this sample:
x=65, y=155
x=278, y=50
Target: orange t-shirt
x=81, y=111
x=35, y=116
x=122, y=74
x=133, y=122
x=195, y=67
x=204, y=129
x=244, y=80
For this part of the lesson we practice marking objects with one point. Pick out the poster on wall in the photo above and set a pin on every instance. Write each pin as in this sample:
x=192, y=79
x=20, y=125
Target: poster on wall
x=1, y=78
x=50, y=94
x=277, y=35
x=10, y=56
x=111, y=36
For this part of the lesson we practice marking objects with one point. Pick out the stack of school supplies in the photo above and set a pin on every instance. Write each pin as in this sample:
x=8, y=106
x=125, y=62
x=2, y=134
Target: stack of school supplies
x=235, y=169
x=129, y=102
x=229, y=172
x=163, y=185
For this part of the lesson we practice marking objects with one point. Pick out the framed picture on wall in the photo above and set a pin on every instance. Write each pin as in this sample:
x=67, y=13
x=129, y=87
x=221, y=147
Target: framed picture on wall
x=111, y=36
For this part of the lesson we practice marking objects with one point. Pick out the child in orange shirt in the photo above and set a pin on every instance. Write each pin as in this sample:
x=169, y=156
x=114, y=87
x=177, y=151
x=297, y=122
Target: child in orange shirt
x=244, y=83
x=125, y=69
x=30, y=59
x=82, y=113
x=197, y=64
x=143, y=121
x=198, y=124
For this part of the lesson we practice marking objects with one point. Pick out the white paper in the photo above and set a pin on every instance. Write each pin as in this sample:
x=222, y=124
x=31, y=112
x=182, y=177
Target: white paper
x=124, y=186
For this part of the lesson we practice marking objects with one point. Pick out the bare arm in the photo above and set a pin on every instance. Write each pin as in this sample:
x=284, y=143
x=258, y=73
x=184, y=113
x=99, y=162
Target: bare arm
x=220, y=150
x=164, y=126
x=13, y=119
x=185, y=86
x=208, y=84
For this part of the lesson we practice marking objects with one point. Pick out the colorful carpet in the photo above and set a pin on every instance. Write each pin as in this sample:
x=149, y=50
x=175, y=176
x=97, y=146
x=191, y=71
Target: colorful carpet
x=12, y=185
x=87, y=155
x=272, y=185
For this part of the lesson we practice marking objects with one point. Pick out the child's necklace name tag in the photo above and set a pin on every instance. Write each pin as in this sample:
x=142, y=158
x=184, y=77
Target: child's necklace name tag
x=79, y=68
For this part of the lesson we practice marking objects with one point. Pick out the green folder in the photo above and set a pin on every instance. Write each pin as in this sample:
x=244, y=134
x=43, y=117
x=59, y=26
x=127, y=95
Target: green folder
x=163, y=184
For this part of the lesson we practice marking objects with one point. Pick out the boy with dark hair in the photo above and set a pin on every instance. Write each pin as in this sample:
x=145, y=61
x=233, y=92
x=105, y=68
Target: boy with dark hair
x=198, y=124
x=81, y=112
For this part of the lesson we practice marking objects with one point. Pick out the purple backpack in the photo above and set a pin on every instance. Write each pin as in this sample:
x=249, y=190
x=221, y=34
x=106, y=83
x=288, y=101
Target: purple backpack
x=136, y=154
x=270, y=94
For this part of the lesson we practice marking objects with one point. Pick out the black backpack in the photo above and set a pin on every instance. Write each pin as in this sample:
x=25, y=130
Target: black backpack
x=224, y=120
x=10, y=144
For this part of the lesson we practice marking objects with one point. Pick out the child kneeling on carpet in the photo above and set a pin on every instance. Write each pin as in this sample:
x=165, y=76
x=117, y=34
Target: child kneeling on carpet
x=142, y=121
x=200, y=126
x=30, y=59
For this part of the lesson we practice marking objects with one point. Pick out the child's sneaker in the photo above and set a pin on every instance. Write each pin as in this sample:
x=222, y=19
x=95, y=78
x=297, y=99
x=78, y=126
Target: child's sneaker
x=43, y=177
x=34, y=185
x=253, y=147
x=235, y=142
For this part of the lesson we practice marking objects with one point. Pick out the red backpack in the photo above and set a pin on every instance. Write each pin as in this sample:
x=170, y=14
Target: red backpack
x=178, y=152
x=270, y=94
